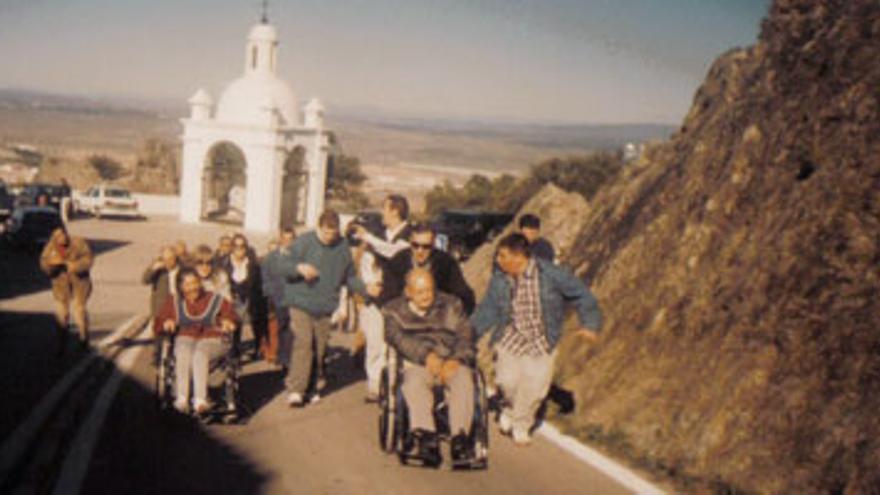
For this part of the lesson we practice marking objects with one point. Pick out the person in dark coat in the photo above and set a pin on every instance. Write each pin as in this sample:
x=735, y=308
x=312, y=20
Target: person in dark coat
x=421, y=253
x=246, y=286
x=530, y=227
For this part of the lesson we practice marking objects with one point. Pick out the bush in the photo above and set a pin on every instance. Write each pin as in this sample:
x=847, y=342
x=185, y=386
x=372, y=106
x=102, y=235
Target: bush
x=107, y=168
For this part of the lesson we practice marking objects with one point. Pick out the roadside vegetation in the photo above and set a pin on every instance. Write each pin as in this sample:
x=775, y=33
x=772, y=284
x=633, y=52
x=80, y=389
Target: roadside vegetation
x=584, y=175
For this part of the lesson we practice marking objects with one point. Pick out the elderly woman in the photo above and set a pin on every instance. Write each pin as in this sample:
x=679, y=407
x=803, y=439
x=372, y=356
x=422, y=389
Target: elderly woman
x=213, y=279
x=67, y=261
x=201, y=320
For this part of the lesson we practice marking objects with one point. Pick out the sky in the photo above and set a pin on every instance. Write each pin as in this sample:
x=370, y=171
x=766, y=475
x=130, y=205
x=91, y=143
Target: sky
x=547, y=61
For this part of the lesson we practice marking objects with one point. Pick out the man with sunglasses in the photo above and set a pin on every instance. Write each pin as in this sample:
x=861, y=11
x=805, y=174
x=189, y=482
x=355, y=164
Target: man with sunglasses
x=422, y=254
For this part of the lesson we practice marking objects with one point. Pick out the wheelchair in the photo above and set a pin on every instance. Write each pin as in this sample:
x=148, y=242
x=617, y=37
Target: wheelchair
x=227, y=409
x=395, y=436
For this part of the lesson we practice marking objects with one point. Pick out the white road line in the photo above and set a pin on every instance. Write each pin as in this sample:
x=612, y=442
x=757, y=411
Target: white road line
x=76, y=463
x=590, y=456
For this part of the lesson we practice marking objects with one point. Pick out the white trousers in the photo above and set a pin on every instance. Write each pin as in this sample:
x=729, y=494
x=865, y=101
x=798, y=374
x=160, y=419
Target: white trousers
x=193, y=358
x=373, y=325
x=525, y=382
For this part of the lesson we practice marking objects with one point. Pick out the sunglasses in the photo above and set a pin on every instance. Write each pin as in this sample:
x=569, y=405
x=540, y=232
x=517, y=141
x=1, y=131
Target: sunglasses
x=419, y=245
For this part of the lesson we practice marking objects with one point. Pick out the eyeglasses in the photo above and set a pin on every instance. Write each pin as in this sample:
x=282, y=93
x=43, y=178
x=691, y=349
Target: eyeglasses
x=203, y=262
x=420, y=245
x=240, y=246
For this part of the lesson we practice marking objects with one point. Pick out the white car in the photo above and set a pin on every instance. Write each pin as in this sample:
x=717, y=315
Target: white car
x=102, y=201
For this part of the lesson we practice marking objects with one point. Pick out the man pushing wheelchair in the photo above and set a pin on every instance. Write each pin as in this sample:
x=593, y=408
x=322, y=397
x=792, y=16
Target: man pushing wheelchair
x=431, y=334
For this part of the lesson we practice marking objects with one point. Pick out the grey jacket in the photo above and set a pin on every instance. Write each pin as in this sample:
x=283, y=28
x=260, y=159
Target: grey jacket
x=444, y=330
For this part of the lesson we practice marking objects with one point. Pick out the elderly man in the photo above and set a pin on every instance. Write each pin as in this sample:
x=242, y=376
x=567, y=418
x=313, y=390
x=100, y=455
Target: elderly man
x=525, y=308
x=432, y=334
x=318, y=265
x=67, y=260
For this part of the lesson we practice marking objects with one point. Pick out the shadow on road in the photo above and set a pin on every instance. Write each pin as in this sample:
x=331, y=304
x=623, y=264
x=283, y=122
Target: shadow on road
x=145, y=450
x=21, y=269
x=31, y=364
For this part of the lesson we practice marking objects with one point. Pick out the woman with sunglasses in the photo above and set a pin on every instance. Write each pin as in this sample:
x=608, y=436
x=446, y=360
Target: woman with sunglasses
x=247, y=295
x=213, y=280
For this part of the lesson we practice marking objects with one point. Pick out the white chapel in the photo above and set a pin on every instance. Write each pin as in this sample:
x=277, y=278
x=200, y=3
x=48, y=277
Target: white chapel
x=255, y=158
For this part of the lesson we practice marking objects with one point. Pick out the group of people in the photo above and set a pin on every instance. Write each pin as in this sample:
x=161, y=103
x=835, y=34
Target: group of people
x=405, y=292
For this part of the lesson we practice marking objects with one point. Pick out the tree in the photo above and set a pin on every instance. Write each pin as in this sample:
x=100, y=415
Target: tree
x=107, y=168
x=344, y=180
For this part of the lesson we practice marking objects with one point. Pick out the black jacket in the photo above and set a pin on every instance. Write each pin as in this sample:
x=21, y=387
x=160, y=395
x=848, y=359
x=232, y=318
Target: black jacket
x=447, y=277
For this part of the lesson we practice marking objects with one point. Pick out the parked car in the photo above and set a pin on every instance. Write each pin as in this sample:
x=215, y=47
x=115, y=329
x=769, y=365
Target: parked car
x=30, y=195
x=7, y=203
x=102, y=201
x=30, y=227
x=461, y=232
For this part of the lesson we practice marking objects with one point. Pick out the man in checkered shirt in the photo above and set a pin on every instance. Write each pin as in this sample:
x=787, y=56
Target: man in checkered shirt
x=524, y=307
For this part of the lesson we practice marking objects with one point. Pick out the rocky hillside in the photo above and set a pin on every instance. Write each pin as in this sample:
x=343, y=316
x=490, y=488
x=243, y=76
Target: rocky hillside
x=738, y=266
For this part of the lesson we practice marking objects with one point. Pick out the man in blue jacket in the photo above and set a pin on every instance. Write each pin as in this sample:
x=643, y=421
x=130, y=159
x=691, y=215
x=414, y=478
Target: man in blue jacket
x=318, y=265
x=524, y=307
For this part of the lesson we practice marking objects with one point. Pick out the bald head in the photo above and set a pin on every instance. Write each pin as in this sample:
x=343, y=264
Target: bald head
x=420, y=288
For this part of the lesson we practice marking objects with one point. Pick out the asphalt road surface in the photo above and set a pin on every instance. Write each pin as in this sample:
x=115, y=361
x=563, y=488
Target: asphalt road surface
x=327, y=447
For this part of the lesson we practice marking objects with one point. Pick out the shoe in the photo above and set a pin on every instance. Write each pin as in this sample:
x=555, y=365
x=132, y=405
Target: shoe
x=521, y=438
x=505, y=424
x=181, y=404
x=315, y=398
x=295, y=399
x=460, y=449
x=427, y=447
x=371, y=398
x=201, y=406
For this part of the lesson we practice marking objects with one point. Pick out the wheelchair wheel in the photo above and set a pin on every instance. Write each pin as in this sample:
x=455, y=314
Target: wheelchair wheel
x=165, y=375
x=387, y=415
x=480, y=427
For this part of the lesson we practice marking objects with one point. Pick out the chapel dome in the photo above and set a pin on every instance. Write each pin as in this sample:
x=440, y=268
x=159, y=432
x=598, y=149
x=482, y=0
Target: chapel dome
x=244, y=100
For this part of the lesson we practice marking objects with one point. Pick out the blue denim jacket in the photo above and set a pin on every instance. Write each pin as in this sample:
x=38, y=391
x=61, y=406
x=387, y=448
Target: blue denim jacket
x=557, y=286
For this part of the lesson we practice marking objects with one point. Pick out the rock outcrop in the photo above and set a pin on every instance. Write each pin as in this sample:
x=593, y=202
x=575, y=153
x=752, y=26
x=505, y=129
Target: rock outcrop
x=562, y=214
x=738, y=267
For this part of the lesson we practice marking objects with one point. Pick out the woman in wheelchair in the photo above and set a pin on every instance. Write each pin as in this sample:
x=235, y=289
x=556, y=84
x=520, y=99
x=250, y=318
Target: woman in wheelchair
x=202, y=322
x=431, y=334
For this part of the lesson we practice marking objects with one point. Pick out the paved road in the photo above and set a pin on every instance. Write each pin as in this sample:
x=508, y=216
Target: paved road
x=329, y=447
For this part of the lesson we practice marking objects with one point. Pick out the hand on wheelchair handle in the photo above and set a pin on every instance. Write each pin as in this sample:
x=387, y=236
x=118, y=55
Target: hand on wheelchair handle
x=169, y=326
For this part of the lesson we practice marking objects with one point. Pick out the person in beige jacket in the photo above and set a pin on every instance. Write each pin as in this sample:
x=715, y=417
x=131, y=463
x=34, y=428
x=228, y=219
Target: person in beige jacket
x=67, y=261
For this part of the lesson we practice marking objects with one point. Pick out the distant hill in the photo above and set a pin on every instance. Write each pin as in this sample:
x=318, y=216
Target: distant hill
x=78, y=124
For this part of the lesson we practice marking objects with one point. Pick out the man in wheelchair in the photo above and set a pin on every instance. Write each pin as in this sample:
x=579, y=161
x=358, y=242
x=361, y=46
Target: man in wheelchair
x=432, y=335
x=202, y=323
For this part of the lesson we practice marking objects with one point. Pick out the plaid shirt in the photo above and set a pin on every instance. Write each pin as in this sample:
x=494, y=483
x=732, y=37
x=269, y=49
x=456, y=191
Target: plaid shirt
x=525, y=335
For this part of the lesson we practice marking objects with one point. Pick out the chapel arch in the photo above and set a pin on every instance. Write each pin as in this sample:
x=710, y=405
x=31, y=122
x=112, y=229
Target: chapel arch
x=224, y=184
x=292, y=187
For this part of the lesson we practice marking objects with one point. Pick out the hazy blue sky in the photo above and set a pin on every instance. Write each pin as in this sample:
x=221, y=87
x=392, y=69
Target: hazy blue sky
x=547, y=60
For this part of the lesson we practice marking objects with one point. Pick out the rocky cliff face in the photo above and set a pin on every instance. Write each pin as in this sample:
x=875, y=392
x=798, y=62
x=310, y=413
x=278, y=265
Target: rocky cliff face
x=739, y=273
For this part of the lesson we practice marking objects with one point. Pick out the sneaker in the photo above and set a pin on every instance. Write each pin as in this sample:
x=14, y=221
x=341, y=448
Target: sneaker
x=295, y=399
x=315, y=398
x=521, y=438
x=181, y=405
x=371, y=398
x=505, y=424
